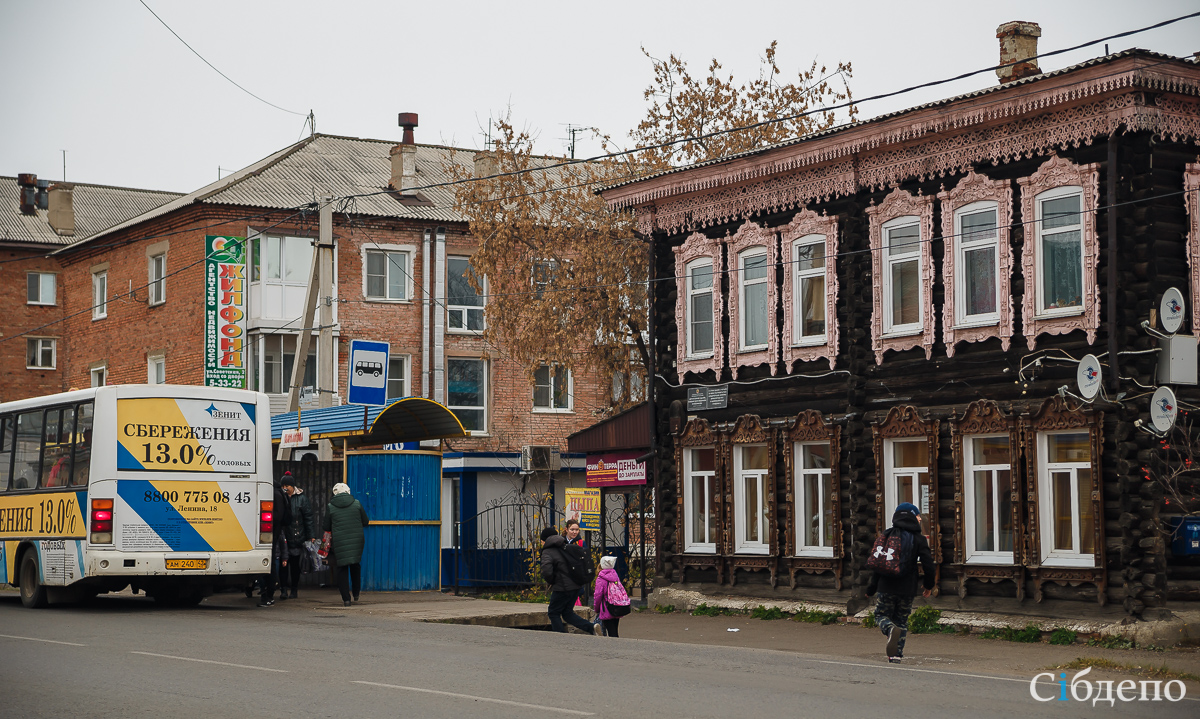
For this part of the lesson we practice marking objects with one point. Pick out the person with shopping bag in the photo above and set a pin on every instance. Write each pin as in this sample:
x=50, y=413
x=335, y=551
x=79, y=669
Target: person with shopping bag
x=302, y=529
x=345, y=519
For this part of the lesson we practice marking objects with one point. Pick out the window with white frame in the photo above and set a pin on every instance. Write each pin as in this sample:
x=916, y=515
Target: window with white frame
x=1059, y=251
x=281, y=259
x=387, y=275
x=100, y=295
x=987, y=465
x=156, y=370
x=158, y=279
x=902, y=276
x=99, y=376
x=276, y=355
x=701, y=497
x=552, y=389
x=1068, y=522
x=40, y=353
x=753, y=307
x=700, y=308
x=464, y=306
x=809, y=305
x=466, y=381
x=906, y=475
x=41, y=288
x=976, y=260
x=397, y=377
x=750, y=472
x=814, y=506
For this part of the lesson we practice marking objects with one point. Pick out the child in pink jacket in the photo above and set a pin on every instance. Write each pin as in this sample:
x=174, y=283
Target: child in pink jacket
x=607, y=623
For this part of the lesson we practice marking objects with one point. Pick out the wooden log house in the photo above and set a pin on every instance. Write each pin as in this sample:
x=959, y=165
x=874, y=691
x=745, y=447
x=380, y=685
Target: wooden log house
x=894, y=306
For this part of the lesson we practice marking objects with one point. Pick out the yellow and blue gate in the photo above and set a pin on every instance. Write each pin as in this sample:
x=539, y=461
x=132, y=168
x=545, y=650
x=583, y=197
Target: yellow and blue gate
x=401, y=491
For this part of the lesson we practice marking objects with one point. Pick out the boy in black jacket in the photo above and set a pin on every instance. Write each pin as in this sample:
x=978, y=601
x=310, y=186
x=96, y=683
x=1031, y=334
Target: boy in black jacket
x=896, y=593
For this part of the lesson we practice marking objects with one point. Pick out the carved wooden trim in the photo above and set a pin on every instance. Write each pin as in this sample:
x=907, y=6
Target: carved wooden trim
x=749, y=429
x=749, y=236
x=803, y=224
x=984, y=417
x=902, y=422
x=899, y=204
x=1191, y=184
x=1061, y=172
x=695, y=247
x=810, y=426
x=977, y=188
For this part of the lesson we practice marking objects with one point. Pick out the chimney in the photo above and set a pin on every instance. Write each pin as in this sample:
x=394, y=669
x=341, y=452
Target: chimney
x=27, y=188
x=404, y=157
x=408, y=120
x=1018, y=44
x=62, y=210
x=485, y=163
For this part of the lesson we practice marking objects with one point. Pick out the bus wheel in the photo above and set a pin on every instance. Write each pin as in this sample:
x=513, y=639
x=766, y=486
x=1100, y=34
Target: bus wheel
x=33, y=594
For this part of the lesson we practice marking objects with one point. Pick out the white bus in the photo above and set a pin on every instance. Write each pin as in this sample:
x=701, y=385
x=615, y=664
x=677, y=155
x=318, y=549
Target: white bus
x=165, y=488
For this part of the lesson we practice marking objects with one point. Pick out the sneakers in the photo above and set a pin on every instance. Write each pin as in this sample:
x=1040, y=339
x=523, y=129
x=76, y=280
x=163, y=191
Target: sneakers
x=598, y=629
x=893, y=643
x=266, y=603
x=895, y=660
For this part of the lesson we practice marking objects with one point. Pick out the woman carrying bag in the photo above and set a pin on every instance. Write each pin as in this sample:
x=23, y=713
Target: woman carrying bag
x=345, y=519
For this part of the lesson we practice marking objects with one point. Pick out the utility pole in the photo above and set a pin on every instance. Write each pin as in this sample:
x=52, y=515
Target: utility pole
x=303, y=340
x=326, y=350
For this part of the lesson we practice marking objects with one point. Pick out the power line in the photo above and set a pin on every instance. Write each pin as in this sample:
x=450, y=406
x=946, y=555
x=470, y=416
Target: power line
x=214, y=67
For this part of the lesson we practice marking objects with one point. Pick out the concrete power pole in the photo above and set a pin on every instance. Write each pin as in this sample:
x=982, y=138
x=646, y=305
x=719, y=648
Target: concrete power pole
x=326, y=349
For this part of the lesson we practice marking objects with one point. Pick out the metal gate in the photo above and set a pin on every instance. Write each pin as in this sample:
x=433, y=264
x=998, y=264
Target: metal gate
x=492, y=548
x=401, y=492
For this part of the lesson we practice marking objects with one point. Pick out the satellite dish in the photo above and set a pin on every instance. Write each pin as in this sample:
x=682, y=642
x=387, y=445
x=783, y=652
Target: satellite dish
x=1088, y=376
x=1172, y=309
x=1163, y=409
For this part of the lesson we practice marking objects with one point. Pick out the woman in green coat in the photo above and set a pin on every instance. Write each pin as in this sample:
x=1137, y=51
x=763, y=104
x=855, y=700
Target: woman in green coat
x=345, y=518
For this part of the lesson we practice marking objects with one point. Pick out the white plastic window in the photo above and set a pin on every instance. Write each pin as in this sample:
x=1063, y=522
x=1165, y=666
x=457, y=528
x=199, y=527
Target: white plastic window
x=987, y=463
x=753, y=310
x=809, y=303
x=1068, y=522
x=976, y=259
x=41, y=288
x=815, y=522
x=902, y=300
x=751, y=530
x=700, y=507
x=1060, y=251
x=700, y=309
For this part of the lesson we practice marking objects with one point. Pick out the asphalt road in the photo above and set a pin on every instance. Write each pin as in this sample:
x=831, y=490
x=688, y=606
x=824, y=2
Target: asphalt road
x=124, y=656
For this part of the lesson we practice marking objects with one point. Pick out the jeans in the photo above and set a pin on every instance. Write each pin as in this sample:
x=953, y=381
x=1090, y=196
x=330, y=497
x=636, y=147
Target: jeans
x=349, y=580
x=562, y=607
x=892, y=610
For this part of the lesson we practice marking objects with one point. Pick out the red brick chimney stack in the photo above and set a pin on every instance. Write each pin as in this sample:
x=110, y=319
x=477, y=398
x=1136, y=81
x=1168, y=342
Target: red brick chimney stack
x=1018, y=44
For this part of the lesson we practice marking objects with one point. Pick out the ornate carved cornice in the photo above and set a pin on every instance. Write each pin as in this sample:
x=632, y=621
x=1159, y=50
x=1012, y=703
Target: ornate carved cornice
x=983, y=416
x=903, y=421
x=1055, y=414
x=695, y=247
x=1191, y=184
x=750, y=235
x=899, y=204
x=810, y=426
x=807, y=223
x=749, y=429
x=697, y=433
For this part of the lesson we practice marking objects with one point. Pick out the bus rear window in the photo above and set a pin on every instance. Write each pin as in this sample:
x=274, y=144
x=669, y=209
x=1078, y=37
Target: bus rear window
x=27, y=459
x=6, y=442
x=83, y=443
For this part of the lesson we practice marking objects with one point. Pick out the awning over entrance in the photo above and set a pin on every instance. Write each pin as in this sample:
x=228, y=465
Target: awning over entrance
x=628, y=430
x=411, y=419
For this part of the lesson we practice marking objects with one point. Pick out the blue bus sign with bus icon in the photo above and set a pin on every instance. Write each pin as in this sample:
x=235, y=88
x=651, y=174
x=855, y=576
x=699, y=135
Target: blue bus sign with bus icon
x=367, y=370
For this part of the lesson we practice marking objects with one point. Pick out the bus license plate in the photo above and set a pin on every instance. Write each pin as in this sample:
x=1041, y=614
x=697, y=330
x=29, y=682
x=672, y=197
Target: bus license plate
x=187, y=564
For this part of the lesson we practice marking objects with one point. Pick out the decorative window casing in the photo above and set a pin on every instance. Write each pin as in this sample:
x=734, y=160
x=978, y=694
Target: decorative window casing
x=753, y=300
x=810, y=289
x=752, y=473
x=697, y=252
x=977, y=262
x=1058, y=300
x=987, y=507
x=811, y=454
x=906, y=455
x=890, y=263
x=700, y=491
x=1191, y=186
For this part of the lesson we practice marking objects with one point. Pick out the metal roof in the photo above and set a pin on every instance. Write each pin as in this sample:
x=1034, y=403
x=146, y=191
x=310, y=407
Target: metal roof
x=96, y=207
x=630, y=429
x=410, y=419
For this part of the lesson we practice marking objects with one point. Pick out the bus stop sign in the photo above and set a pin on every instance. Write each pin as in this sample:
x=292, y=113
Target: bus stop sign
x=367, y=369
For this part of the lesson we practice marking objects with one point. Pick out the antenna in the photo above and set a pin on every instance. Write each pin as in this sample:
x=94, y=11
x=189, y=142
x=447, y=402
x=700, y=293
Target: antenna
x=64, y=152
x=572, y=131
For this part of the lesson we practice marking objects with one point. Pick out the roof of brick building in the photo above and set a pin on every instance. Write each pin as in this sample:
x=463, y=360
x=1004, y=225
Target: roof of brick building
x=97, y=207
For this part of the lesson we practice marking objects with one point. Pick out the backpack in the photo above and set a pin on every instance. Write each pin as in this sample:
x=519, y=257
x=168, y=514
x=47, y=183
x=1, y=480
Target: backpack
x=577, y=566
x=617, y=599
x=892, y=553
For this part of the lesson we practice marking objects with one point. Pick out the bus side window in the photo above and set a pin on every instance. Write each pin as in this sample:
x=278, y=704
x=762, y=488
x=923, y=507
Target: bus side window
x=6, y=441
x=56, y=455
x=28, y=451
x=83, y=444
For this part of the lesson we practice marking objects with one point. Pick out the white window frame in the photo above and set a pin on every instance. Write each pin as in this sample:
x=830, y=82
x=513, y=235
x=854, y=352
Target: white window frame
x=973, y=555
x=405, y=361
x=409, y=252
x=40, y=348
x=692, y=476
x=482, y=393
x=551, y=376
x=1059, y=557
x=963, y=245
x=824, y=478
x=100, y=295
x=41, y=281
x=892, y=475
x=888, y=260
x=741, y=544
x=692, y=353
x=798, y=278
x=157, y=285
x=743, y=285
x=156, y=369
x=99, y=376
x=464, y=310
x=1040, y=256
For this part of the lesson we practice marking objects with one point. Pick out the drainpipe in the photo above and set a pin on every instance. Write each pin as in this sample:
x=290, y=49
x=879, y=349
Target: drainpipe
x=1114, y=379
x=425, y=274
x=439, y=317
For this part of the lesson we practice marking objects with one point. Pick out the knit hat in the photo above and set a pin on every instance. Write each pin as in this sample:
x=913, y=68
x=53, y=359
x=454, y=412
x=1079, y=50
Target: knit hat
x=548, y=532
x=287, y=480
x=608, y=562
x=340, y=488
x=910, y=508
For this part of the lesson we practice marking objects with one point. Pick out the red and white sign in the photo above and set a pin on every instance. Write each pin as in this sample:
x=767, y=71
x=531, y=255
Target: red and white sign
x=294, y=437
x=616, y=469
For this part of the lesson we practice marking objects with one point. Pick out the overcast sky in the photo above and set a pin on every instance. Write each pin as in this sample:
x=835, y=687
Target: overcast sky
x=132, y=106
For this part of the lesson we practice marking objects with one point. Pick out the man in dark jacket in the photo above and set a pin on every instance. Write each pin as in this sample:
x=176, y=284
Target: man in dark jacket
x=896, y=593
x=303, y=528
x=281, y=518
x=564, y=590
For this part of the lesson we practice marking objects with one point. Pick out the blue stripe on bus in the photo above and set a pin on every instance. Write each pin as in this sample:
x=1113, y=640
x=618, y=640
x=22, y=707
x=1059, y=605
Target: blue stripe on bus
x=125, y=460
x=249, y=408
x=163, y=518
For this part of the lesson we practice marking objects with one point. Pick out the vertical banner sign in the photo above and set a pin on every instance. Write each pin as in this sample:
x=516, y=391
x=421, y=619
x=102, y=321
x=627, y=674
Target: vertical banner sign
x=583, y=505
x=225, y=292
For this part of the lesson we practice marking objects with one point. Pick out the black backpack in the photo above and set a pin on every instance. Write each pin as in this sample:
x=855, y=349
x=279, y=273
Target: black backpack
x=577, y=564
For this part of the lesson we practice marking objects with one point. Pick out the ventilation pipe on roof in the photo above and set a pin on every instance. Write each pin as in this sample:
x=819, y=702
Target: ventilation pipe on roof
x=62, y=210
x=486, y=165
x=27, y=187
x=1018, y=50
x=404, y=157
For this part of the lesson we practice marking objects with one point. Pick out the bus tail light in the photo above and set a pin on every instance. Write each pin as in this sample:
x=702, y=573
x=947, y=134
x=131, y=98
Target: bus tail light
x=102, y=521
x=266, y=522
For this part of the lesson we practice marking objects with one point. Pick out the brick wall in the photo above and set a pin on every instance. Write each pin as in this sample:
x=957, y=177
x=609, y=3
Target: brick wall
x=16, y=381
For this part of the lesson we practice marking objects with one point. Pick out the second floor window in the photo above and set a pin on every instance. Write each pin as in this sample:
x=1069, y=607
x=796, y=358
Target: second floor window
x=754, y=299
x=902, y=275
x=464, y=305
x=99, y=295
x=41, y=288
x=700, y=309
x=40, y=353
x=158, y=279
x=397, y=377
x=976, y=258
x=387, y=275
x=1060, y=251
x=466, y=395
x=552, y=388
x=808, y=258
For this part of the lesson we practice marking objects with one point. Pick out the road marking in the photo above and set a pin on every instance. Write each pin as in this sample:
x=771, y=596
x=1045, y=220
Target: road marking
x=48, y=641
x=478, y=699
x=210, y=661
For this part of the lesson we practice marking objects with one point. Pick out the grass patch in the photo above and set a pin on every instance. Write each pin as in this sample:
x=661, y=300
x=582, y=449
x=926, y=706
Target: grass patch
x=761, y=612
x=704, y=610
x=529, y=596
x=665, y=608
x=1063, y=636
x=1113, y=642
x=816, y=617
x=924, y=620
x=1159, y=672
x=1031, y=634
x=869, y=621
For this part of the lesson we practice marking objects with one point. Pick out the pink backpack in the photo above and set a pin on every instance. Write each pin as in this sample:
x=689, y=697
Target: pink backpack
x=617, y=599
